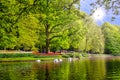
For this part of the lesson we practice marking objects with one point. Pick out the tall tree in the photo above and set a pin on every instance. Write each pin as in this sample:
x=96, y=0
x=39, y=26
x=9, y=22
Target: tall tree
x=7, y=31
x=13, y=14
x=27, y=32
x=56, y=17
x=112, y=38
x=93, y=39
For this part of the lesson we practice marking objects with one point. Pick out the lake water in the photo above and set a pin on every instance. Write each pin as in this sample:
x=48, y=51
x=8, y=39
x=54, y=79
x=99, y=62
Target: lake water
x=84, y=69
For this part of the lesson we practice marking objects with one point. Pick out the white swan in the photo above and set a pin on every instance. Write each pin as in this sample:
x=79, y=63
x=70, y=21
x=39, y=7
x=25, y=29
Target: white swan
x=56, y=60
x=60, y=60
x=38, y=60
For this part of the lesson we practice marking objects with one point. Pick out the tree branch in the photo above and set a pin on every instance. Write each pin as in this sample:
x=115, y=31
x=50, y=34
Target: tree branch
x=54, y=37
x=22, y=11
x=74, y=1
x=55, y=26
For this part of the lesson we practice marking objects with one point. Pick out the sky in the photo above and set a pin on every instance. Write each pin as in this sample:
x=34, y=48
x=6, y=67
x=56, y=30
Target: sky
x=101, y=15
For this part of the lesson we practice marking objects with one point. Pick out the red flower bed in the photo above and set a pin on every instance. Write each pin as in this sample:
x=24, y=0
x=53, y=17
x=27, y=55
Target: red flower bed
x=46, y=54
x=35, y=52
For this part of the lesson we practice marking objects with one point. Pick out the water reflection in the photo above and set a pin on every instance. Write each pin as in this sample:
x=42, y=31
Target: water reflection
x=96, y=69
x=88, y=69
x=113, y=70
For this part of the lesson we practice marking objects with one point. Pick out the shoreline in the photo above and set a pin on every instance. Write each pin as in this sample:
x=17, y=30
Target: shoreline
x=24, y=59
x=32, y=59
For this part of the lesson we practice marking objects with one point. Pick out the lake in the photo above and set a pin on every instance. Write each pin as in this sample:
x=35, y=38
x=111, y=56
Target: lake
x=83, y=69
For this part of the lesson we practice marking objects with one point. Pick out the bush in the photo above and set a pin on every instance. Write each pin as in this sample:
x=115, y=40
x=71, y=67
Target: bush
x=72, y=55
x=77, y=55
x=85, y=54
x=15, y=55
x=65, y=56
x=116, y=54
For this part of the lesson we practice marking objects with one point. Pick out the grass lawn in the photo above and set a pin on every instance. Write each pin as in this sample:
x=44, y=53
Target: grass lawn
x=25, y=59
x=33, y=57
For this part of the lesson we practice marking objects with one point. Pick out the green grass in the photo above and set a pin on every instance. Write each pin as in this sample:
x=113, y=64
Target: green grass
x=24, y=59
x=27, y=55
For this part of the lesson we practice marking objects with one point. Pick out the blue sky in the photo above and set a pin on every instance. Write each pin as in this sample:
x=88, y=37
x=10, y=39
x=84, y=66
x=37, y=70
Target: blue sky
x=107, y=18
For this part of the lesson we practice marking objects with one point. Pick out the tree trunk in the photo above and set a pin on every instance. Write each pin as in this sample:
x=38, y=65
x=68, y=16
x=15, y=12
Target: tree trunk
x=47, y=45
x=86, y=46
x=47, y=38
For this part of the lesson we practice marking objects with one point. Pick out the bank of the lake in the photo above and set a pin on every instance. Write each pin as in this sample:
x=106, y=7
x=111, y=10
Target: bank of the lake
x=10, y=57
x=26, y=57
x=20, y=57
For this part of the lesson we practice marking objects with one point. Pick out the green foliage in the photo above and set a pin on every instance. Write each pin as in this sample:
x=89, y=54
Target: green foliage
x=8, y=41
x=85, y=54
x=76, y=34
x=112, y=38
x=15, y=55
x=52, y=25
x=27, y=29
x=74, y=55
x=93, y=39
x=42, y=24
x=56, y=21
x=65, y=56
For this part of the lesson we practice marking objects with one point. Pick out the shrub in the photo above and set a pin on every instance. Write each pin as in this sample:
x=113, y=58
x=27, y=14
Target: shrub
x=77, y=55
x=85, y=54
x=65, y=56
x=15, y=55
x=72, y=55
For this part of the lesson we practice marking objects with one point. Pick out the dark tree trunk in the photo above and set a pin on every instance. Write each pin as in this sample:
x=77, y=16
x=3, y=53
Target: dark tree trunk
x=86, y=46
x=47, y=38
x=47, y=45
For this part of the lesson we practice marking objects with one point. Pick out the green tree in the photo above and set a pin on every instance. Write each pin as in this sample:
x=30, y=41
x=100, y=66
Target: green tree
x=7, y=31
x=17, y=24
x=93, y=40
x=112, y=38
x=56, y=17
x=28, y=32
x=76, y=34
x=46, y=24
